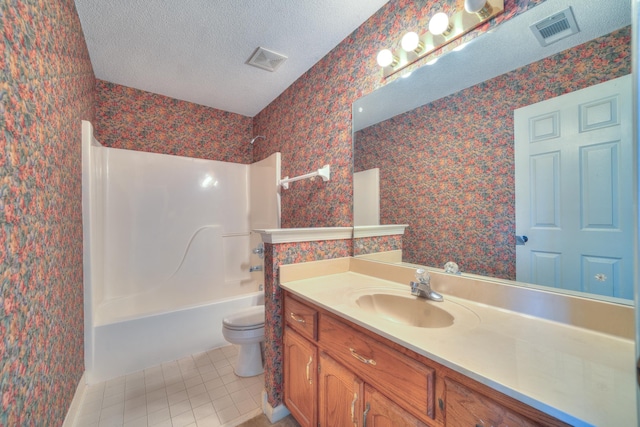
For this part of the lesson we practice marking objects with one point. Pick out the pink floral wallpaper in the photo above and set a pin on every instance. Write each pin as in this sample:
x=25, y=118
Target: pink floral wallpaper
x=137, y=120
x=310, y=122
x=461, y=147
x=370, y=245
x=275, y=256
x=47, y=88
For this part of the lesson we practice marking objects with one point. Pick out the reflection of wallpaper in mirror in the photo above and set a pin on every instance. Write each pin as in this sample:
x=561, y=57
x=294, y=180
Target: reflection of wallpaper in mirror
x=447, y=168
x=369, y=245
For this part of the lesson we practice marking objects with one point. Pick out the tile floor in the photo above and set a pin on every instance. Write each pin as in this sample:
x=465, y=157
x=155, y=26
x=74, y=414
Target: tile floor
x=196, y=391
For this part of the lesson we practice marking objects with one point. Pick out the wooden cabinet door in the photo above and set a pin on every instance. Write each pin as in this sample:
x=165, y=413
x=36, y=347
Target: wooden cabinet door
x=382, y=412
x=341, y=395
x=300, y=375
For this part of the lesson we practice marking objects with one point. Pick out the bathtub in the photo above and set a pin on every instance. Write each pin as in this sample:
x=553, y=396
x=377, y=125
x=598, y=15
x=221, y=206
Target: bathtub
x=167, y=255
x=125, y=342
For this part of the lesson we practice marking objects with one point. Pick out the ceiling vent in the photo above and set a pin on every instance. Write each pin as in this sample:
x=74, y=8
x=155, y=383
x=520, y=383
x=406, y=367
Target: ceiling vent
x=555, y=27
x=266, y=59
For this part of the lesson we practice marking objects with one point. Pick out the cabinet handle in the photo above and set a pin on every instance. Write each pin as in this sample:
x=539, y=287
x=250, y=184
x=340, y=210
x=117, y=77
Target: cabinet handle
x=308, y=369
x=362, y=358
x=297, y=318
x=364, y=416
x=353, y=409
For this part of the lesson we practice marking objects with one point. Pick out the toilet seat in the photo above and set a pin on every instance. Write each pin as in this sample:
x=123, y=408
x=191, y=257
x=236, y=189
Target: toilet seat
x=246, y=319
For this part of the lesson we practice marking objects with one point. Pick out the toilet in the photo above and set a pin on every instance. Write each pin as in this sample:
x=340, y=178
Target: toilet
x=245, y=327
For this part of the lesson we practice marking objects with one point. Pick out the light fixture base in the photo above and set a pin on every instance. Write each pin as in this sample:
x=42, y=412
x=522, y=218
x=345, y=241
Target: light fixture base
x=461, y=23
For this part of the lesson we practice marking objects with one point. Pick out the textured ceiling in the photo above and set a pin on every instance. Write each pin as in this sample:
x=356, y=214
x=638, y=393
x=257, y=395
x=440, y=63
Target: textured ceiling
x=196, y=50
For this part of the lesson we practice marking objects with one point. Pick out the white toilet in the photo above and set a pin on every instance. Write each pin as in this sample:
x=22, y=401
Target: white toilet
x=245, y=327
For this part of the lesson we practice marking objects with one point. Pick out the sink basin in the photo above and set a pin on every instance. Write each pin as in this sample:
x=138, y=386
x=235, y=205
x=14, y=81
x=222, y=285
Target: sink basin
x=414, y=312
x=409, y=310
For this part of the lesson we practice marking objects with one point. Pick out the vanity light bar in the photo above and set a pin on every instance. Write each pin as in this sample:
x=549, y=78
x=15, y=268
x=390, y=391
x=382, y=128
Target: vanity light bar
x=443, y=30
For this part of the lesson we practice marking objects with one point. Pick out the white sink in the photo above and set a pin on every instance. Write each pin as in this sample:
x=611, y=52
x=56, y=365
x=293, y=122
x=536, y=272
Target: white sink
x=401, y=307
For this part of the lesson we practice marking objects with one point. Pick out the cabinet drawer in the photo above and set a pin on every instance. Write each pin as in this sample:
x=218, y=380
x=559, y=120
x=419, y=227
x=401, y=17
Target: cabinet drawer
x=465, y=407
x=410, y=383
x=301, y=318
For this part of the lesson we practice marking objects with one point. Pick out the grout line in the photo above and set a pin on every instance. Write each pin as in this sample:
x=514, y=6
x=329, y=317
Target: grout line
x=181, y=392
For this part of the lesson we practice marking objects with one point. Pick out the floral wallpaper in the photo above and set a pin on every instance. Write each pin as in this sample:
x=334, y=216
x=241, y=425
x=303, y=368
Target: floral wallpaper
x=137, y=120
x=467, y=137
x=47, y=88
x=310, y=122
x=275, y=256
x=370, y=245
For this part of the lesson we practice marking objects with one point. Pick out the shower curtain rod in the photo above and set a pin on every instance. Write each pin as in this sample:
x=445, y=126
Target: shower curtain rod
x=324, y=172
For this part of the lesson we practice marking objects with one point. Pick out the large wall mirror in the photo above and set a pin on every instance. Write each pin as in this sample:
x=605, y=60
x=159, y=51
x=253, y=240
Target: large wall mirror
x=507, y=138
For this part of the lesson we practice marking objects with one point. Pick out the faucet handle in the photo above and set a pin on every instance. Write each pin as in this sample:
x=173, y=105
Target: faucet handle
x=422, y=276
x=451, y=267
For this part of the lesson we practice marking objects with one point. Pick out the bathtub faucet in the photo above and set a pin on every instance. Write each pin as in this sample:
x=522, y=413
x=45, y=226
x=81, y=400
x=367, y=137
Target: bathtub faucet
x=255, y=268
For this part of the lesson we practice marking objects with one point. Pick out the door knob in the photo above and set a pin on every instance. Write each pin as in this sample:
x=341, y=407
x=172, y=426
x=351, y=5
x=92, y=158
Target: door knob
x=521, y=240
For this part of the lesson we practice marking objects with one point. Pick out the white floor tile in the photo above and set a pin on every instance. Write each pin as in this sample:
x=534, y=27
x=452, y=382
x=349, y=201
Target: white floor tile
x=196, y=391
x=183, y=419
x=159, y=416
x=204, y=411
x=180, y=407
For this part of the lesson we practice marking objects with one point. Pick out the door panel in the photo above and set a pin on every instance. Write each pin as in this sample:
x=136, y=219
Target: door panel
x=573, y=159
x=300, y=369
x=341, y=395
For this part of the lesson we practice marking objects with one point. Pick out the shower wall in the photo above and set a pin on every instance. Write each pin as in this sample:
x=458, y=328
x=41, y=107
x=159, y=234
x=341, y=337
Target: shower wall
x=168, y=238
x=163, y=213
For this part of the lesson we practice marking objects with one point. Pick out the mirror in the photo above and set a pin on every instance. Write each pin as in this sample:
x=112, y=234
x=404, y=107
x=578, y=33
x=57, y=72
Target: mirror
x=442, y=139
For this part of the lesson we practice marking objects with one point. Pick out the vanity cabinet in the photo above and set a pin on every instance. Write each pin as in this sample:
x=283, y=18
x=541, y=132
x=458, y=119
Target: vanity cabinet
x=300, y=378
x=341, y=394
x=410, y=382
x=382, y=412
x=345, y=400
x=337, y=373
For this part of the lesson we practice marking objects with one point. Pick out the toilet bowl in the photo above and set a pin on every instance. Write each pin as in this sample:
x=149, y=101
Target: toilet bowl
x=245, y=328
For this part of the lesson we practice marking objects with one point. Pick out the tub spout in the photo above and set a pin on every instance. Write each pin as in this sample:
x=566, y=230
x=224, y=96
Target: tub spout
x=255, y=268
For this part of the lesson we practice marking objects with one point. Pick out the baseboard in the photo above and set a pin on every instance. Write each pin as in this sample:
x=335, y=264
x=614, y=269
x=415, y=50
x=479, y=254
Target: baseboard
x=274, y=414
x=74, y=408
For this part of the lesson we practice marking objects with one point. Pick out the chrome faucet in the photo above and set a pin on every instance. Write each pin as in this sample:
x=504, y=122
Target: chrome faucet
x=422, y=288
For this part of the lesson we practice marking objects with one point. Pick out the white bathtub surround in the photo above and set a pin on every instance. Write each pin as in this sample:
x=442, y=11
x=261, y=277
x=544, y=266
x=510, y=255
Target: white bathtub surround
x=168, y=247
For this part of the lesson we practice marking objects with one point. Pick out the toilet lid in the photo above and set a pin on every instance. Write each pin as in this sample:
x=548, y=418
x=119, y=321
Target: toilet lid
x=246, y=317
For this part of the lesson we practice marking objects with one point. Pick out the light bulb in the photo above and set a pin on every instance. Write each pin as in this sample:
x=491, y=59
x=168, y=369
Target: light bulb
x=411, y=42
x=480, y=7
x=385, y=58
x=439, y=24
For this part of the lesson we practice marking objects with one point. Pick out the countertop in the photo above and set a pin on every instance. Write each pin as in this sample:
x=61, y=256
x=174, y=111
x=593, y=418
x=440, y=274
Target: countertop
x=577, y=375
